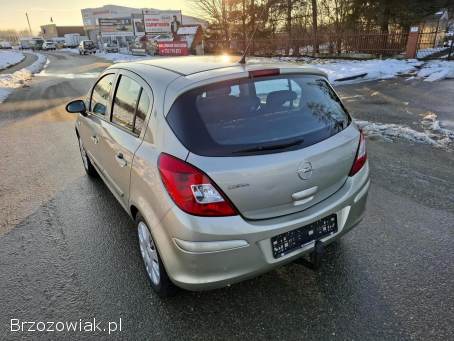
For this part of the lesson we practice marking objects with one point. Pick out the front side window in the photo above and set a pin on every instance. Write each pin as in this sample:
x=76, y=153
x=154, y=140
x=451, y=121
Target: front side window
x=125, y=102
x=100, y=95
x=257, y=116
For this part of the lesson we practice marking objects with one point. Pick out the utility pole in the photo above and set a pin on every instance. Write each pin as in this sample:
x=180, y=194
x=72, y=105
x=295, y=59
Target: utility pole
x=29, y=27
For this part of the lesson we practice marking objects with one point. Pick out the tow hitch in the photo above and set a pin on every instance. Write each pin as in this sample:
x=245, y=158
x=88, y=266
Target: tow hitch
x=315, y=257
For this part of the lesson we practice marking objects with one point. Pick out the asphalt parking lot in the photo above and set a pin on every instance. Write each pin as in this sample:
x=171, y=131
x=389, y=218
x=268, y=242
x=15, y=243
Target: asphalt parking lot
x=68, y=251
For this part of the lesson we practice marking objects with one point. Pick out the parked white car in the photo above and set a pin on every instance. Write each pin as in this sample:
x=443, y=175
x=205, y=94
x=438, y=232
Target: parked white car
x=111, y=48
x=5, y=45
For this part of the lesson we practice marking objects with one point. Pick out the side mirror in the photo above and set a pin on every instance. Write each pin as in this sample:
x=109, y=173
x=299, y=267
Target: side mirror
x=77, y=106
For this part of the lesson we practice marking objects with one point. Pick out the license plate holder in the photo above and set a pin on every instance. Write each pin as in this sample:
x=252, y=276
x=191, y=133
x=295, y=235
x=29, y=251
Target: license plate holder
x=290, y=241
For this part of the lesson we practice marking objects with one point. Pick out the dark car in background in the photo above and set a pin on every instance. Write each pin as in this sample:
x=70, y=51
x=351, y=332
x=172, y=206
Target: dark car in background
x=111, y=48
x=87, y=47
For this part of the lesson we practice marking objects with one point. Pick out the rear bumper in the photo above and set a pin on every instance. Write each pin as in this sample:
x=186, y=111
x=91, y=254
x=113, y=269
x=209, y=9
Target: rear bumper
x=204, y=253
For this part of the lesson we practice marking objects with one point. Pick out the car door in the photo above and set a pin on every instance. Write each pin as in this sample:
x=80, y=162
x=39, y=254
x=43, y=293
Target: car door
x=124, y=133
x=89, y=127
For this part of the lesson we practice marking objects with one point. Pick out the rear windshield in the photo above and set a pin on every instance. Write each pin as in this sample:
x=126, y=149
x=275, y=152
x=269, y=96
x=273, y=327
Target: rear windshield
x=257, y=116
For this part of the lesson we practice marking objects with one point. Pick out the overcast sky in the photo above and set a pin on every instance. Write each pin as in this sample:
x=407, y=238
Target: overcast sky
x=67, y=12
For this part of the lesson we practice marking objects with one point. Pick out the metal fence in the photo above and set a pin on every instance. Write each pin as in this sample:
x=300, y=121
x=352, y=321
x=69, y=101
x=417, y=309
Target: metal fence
x=324, y=44
x=433, y=39
x=451, y=49
x=433, y=44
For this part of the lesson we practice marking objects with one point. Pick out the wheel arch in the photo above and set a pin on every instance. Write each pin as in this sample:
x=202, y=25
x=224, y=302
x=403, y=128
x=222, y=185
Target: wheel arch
x=133, y=210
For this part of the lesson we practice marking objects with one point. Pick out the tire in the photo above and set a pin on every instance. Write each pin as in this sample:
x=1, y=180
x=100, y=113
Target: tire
x=154, y=268
x=88, y=166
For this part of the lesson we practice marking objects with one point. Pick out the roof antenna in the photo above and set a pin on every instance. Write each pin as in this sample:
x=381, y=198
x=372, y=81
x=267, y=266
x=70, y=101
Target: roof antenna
x=246, y=50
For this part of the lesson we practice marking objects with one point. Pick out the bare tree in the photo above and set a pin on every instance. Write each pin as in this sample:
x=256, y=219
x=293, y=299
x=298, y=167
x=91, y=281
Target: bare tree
x=315, y=26
x=216, y=11
x=289, y=24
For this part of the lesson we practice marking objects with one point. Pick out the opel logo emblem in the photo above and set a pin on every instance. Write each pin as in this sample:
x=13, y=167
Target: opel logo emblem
x=304, y=170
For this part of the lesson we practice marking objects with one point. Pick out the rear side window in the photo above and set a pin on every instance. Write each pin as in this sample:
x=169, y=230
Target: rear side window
x=125, y=102
x=141, y=113
x=100, y=95
x=257, y=116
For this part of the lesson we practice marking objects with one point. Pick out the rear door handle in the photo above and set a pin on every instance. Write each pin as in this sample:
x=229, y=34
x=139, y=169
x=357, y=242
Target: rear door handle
x=120, y=159
x=95, y=139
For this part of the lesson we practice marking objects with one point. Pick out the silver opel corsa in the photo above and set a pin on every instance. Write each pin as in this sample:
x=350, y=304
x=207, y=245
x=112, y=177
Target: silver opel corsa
x=229, y=170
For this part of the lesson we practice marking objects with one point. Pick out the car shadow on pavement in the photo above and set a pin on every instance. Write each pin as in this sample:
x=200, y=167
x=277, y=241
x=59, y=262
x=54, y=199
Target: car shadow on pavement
x=77, y=257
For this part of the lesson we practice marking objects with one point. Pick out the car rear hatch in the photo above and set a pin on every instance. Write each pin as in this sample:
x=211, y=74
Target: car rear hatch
x=275, y=144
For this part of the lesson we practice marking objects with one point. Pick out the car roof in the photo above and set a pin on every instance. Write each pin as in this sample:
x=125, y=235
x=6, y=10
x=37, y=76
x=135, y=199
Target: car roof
x=186, y=66
x=179, y=74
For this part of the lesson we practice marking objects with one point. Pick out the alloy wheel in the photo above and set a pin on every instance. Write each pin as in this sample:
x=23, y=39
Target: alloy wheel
x=149, y=253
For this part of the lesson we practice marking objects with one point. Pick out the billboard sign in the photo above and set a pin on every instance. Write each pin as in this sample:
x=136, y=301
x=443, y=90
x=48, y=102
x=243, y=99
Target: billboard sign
x=116, y=27
x=139, y=27
x=175, y=48
x=161, y=21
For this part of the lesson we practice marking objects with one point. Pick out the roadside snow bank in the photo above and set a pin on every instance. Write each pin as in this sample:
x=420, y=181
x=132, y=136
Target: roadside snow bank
x=373, y=69
x=9, y=58
x=431, y=124
x=391, y=131
x=342, y=71
x=437, y=70
x=433, y=133
x=339, y=71
x=365, y=70
x=18, y=79
x=427, y=52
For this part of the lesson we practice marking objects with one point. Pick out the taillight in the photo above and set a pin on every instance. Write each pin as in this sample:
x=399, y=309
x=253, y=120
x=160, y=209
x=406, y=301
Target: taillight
x=192, y=190
x=361, y=156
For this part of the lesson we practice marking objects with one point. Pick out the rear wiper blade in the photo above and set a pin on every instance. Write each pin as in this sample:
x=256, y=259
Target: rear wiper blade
x=270, y=147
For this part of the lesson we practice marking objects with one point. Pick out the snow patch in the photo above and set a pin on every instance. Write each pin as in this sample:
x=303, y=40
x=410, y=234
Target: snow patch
x=374, y=69
x=433, y=134
x=113, y=57
x=437, y=70
x=358, y=70
x=68, y=75
x=391, y=131
x=427, y=52
x=70, y=50
x=432, y=124
x=20, y=78
x=9, y=58
x=430, y=71
x=121, y=57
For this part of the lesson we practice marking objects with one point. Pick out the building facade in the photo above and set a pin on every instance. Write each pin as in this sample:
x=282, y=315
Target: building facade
x=124, y=25
x=51, y=31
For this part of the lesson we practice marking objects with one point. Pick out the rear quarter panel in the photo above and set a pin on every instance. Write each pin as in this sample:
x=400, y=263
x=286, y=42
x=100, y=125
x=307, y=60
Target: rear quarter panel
x=147, y=192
